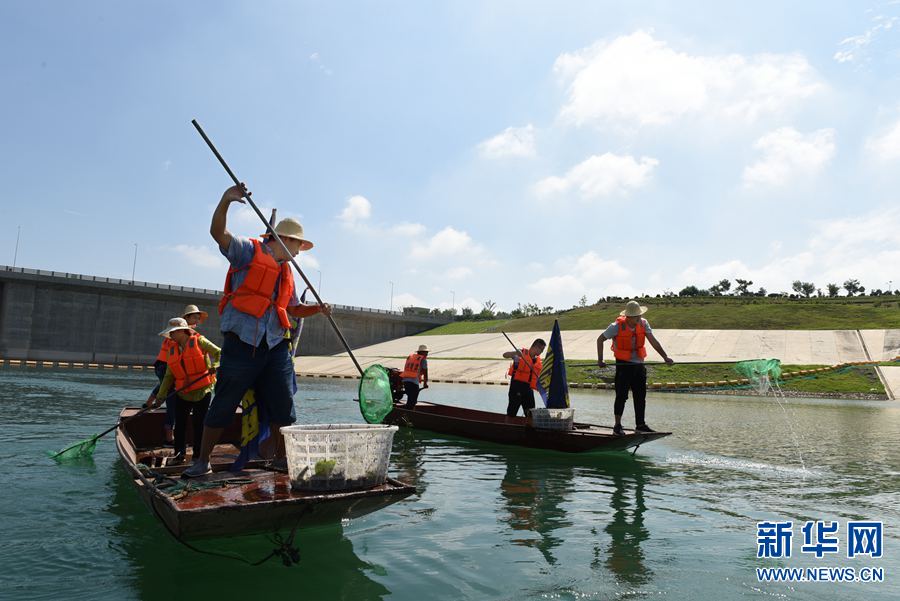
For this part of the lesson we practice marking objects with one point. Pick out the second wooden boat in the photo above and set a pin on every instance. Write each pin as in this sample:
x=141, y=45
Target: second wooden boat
x=499, y=428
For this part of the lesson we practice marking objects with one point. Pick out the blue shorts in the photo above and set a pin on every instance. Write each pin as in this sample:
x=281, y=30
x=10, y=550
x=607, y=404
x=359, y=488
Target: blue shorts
x=270, y=372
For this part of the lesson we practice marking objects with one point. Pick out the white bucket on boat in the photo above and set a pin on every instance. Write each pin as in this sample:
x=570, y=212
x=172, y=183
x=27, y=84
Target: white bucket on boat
x=553, y=419
x=325, y=457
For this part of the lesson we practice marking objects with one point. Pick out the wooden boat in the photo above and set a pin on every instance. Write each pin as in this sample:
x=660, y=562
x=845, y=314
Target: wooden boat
x=255, y=500
x=496, y=427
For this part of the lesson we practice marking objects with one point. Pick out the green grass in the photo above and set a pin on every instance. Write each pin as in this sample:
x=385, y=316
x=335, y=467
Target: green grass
x=859, y=379
x=718, y=313
x=464, y=327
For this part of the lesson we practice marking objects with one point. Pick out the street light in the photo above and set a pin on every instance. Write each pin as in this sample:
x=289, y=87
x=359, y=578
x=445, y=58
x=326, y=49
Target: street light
x=134, y=264
x=392, y=296
x=453, y=302
x=320, y=281
x=16, y=255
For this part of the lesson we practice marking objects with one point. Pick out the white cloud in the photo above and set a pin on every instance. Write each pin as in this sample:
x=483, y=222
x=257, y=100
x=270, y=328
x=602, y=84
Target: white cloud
x=599, y=176
x=409, y=230
x=316, y=59
x=307, y=260
x=357, y=210
x=787, y=153
x=637, y=79
x=201, y=256
x=861, y=247
x=244, y=221
x=458, y=273
x=885, y=146
x=449, y=242
x=511, y=142
x=854, y=47
x=406, y=299
x=589, y=275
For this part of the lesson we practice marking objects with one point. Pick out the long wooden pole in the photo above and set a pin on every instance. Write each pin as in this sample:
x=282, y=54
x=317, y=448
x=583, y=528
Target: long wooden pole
x=275, y=236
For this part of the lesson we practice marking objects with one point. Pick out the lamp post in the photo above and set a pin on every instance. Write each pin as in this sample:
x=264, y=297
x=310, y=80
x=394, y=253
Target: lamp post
x=392, y=296
x=16, y=254
x=320, y=281
x=134, y=264
x=453, y=302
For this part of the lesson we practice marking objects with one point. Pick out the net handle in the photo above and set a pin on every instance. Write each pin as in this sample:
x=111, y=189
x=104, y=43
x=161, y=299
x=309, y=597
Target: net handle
x=275, y=237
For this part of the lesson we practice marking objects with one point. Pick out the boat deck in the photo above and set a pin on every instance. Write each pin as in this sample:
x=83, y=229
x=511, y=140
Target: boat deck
x=255, y=499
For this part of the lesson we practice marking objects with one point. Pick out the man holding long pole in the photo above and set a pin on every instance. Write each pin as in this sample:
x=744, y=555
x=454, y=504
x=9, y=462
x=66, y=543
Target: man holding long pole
x=258, y=298
x=628, y=334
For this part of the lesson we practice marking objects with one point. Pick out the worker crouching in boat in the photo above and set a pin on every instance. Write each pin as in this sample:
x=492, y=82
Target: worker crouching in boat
x=191, y=361
x=628, y=334
x=524, y=372
x=259, y=297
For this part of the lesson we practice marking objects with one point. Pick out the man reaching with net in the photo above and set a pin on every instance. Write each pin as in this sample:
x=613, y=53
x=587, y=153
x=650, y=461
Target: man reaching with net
x=628, y=334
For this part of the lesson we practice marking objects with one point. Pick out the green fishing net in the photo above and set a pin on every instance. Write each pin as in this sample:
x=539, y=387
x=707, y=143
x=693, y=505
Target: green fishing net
x=762, y=373
x=375, y=398
x=79, y=450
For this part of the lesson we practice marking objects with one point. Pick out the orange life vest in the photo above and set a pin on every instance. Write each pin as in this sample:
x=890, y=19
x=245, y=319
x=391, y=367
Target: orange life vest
x=524, y=369
x=413, y=364
x=190, y=364
x=254, y=295
x=628, y=340
x=163, y=353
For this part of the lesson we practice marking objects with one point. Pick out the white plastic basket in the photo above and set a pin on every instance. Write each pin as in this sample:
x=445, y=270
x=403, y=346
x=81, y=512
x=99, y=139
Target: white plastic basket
x=553, y=419
x=337, y=456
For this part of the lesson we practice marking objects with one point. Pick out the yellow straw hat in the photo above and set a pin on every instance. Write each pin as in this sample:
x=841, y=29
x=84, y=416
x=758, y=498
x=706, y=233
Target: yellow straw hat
x=191, y=309
x=176, y=323
x=291, y=228
x=633, y=309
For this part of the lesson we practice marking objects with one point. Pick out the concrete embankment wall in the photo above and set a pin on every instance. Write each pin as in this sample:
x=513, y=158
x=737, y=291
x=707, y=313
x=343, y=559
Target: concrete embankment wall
x=476, y=357
x=53, y=316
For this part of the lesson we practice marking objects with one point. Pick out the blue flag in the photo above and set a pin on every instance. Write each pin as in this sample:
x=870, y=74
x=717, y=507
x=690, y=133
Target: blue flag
x=552, y=383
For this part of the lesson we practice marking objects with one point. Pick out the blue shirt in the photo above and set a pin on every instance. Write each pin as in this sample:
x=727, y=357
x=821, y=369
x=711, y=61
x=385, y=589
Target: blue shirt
x=248, y=328
x=613, y=330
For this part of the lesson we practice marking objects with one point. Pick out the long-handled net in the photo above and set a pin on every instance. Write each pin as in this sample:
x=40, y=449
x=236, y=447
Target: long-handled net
x=375, y=397
x=764, y=374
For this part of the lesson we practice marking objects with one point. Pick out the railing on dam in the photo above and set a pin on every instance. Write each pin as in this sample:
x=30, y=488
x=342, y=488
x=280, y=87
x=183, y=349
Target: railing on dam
x=157, y=286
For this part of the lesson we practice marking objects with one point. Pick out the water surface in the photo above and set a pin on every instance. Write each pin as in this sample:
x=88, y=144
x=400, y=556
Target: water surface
x=677, y=521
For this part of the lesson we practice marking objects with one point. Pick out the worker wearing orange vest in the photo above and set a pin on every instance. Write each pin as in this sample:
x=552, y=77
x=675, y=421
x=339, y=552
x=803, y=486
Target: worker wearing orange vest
x=415, y=370
x=194, y=317
x=628, y=334
x=191, y=360
x=259, y=298
x=524, y=372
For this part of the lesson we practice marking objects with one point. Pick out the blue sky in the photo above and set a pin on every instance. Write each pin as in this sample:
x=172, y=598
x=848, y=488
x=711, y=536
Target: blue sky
x=466, y=151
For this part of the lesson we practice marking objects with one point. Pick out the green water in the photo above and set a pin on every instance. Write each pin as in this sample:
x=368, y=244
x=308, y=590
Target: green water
x=488, y=522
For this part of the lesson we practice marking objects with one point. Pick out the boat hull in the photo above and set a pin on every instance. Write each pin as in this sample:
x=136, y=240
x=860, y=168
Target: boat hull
x=255, y=500
x=498, y=428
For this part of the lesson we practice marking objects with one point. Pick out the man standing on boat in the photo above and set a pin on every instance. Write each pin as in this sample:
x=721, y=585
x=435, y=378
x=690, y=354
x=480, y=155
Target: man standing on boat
x=259, y=297
x=524, y=372
x=415, y=370
x=628, y=334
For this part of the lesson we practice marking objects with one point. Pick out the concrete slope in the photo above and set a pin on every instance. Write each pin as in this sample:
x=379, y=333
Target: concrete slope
x=825, y=347
x=477, y=357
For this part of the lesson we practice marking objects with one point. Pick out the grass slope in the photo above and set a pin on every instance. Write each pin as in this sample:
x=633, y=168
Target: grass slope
x=859, y=379
x=719, y=313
